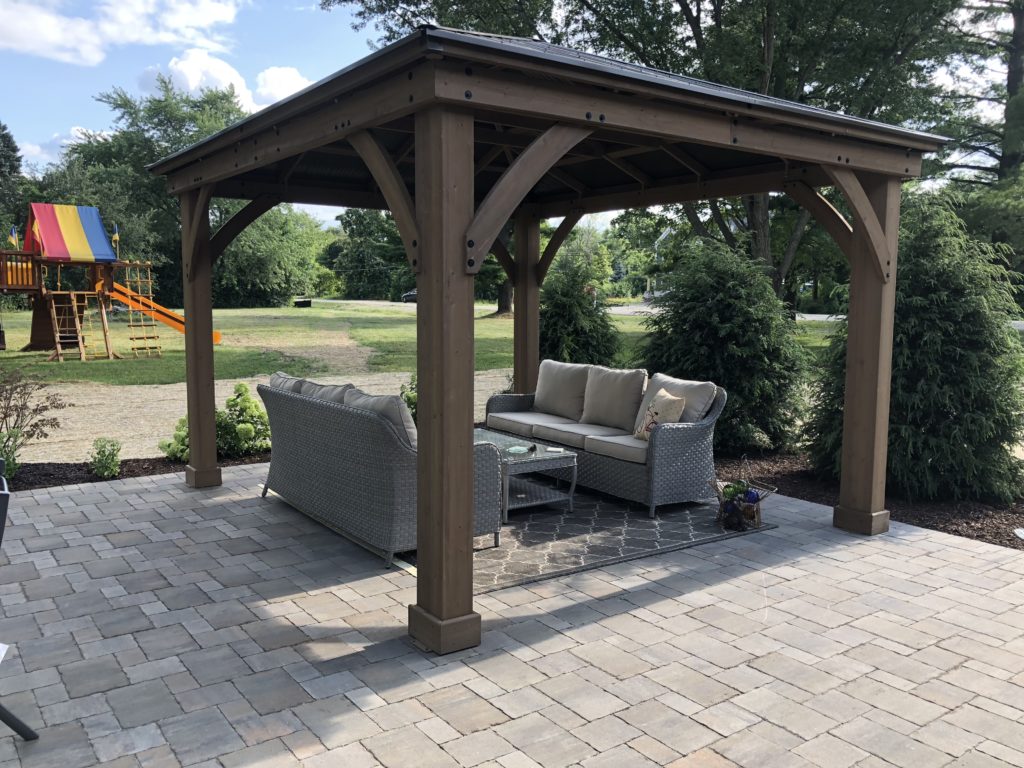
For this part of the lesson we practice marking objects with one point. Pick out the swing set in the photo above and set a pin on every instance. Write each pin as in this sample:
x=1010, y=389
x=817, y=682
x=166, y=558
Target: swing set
x=63, y=239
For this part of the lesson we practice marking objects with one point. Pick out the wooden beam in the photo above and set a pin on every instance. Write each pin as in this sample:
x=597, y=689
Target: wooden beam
x=831, y=220
x=490, y=89
x=386, y=174
x=526, y=304
x=861, y=507
x=551, y=249
x=630, y=170
x=234, y=226
x=770, y=178
x=327, y=124
x=864, y=216
x=349, y=197
x=197, y=289
x=488, y=157
x=443, y=618
x=500, y=251
x=569, y=180
x=685, y=159
x=520, y=177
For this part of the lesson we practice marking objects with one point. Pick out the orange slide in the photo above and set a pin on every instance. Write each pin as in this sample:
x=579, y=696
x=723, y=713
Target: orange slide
x=151, y=308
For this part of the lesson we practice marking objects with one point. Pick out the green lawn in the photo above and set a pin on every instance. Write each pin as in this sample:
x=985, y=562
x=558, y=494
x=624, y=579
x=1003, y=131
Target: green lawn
x=302, y=341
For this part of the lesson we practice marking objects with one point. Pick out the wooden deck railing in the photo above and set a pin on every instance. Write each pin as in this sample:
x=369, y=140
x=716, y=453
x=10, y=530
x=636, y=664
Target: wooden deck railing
x=19, y=272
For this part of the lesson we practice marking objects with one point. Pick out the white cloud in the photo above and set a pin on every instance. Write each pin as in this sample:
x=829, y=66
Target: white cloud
x=43, y=29
x=49, y=151
x=276, y=83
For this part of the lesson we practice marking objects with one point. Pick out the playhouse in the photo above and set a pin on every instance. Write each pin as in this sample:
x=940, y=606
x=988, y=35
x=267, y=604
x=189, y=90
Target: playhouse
x=64, y=244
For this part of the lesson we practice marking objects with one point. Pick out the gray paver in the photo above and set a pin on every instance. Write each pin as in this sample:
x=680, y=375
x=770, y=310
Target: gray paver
x=143, y=703
x=201, y=735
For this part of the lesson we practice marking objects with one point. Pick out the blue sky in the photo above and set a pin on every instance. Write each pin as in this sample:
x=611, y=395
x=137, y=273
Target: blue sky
x=56, y=55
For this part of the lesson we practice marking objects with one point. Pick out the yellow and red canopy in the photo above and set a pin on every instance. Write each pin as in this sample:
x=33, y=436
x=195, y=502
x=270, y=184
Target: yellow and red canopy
x=71, y=233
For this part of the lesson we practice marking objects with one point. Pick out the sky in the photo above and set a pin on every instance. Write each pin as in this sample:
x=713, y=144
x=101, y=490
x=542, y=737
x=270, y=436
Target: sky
x=57, y=55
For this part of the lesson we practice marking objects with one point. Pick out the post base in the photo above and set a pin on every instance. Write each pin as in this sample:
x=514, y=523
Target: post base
x=202, y=478
x=856, y=521
x=444, y=635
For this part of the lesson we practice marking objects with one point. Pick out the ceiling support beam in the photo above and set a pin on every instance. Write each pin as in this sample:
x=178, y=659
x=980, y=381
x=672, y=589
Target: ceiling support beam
x=234, y=226
x=385, y=172
x=493, y=90
x=830, y=219
x=520, y=177
x=865, y=218
x=504, y=258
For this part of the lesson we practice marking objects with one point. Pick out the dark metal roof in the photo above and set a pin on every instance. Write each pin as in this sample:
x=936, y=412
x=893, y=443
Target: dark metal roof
x=573, y=58
x=524, y=51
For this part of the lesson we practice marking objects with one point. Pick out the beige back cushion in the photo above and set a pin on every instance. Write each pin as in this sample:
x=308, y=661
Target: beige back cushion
x=282, y=380
x=699, y=396
x=613, y=396
x=391, y=407
x=663, y=409
x=560, y=389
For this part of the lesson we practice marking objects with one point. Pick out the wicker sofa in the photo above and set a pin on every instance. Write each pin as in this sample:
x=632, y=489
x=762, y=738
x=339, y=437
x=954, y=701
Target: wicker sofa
x=676, y=464
x=353, y=468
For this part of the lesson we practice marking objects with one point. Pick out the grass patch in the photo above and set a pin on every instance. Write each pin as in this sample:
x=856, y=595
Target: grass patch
x=813, y=335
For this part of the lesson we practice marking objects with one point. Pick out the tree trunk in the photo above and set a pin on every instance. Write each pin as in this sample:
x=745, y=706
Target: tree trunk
x=760, y=229
x=1012, y=154
x=505, y=297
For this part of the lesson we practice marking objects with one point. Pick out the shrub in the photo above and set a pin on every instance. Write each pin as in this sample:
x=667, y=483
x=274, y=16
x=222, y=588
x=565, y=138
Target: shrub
x=719, y=320
x=574, y=323
x=23, y=415
x=242, y=429
x=956, y=408
x=408, y=393
x=105, y=459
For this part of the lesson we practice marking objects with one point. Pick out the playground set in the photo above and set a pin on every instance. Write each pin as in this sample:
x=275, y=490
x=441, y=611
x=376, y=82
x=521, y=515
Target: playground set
x=60, y=239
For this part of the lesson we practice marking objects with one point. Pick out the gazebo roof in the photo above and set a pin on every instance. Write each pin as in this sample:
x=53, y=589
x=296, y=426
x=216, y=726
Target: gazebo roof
x=656, y=136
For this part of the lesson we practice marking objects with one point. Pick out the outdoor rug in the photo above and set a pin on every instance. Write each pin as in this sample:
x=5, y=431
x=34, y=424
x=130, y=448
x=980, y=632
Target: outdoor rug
x=544, y=542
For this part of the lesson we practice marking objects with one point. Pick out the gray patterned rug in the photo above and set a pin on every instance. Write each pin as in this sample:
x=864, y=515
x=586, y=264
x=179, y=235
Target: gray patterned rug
x=543, y=542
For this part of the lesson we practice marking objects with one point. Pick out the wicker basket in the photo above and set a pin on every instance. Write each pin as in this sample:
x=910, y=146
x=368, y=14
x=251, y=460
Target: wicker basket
x=751, y=510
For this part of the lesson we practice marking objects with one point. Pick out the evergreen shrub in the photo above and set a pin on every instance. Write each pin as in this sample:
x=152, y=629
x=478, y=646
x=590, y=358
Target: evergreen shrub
x=575, y=326
x=956, y=409
x=719, y=320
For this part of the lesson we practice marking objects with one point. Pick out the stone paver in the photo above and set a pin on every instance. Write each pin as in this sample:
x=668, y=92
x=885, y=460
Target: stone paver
x=153, y=625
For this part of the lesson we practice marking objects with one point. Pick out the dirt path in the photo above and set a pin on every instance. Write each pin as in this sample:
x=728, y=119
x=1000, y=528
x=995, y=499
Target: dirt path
x=141, y=416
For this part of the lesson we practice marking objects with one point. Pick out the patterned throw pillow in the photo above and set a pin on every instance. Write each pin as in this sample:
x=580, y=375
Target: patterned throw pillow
x=664, y=409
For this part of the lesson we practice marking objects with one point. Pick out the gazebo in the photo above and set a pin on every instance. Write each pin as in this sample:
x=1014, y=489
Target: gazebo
x=459, y=134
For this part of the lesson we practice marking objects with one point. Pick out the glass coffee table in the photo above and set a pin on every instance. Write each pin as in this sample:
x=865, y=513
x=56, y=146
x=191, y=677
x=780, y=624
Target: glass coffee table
x=520, y=458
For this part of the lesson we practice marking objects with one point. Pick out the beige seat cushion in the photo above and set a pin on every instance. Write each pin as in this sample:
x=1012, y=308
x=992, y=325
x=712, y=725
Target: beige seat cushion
x=283, y=381
x=560, y=389
x=612, y=397
x=573, y=434
x=334, y=393
x=523, y=422
x=391, y=407
x=664, y=409
x=625, y=447
x=699, y=396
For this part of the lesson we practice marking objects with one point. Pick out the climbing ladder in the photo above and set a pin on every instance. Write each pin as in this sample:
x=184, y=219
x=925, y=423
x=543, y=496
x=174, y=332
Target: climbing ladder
x=142, y=328
x=73, y=325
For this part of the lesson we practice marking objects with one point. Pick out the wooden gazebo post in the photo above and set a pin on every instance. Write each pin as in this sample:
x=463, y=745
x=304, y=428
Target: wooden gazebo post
x=443, y=618
x=526, y=304
x=197, y=273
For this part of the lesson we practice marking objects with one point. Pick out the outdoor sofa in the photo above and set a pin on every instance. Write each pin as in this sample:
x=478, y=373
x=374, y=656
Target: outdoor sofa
x=348, y=460
x=595, y=411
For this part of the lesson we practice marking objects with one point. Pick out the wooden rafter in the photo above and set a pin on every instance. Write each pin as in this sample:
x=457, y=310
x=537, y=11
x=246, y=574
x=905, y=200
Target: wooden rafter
x=520, y=177
x=488, y=157
x=685, y=159
x=630, y=170
x=568, y=180
x=864, y=216
x=551, y=249
x=389, y=180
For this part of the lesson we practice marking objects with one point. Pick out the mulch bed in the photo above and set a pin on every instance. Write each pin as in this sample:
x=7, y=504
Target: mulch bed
x=789, y=472
x=48, y=473
x=792, y=475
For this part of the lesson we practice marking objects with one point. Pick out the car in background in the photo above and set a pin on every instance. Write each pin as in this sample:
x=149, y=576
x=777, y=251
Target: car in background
x=409, y=296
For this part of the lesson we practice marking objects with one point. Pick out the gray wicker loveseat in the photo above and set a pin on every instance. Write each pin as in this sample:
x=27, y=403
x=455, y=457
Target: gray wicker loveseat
x=348, y=460
x=595, y=412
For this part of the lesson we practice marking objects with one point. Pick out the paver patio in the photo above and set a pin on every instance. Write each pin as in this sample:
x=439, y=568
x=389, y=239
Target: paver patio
x=157, y=625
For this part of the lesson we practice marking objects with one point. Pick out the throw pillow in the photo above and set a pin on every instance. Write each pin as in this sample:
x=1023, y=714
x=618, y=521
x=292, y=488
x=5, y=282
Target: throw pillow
x=663, y=409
